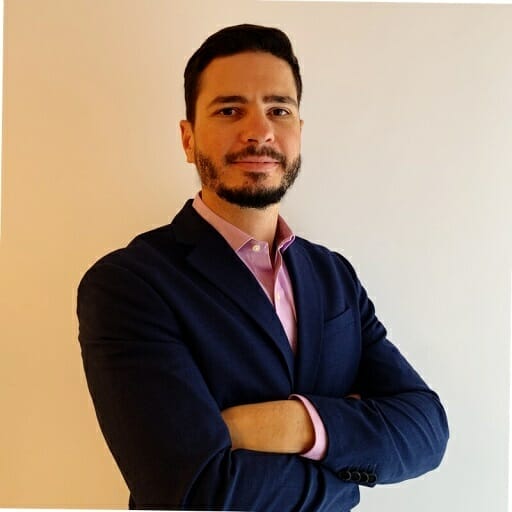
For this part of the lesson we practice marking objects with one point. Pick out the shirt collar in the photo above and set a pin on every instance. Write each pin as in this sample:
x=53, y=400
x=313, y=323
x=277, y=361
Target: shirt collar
x=236, y=238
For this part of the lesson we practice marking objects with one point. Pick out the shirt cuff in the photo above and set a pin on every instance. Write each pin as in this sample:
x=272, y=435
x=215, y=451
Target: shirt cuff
x=317, y=452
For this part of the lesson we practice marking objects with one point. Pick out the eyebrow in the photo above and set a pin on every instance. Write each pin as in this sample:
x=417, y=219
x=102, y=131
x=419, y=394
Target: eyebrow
x=271, y=98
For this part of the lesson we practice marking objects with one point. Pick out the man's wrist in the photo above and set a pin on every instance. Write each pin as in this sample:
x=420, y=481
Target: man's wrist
x=319, y=448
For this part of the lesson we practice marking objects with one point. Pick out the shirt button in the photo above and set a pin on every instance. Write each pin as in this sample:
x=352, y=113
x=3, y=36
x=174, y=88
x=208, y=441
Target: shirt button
x=278, y=296
x=256, y=248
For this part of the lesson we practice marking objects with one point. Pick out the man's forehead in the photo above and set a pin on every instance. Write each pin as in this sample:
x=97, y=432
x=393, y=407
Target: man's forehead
x=243, y=74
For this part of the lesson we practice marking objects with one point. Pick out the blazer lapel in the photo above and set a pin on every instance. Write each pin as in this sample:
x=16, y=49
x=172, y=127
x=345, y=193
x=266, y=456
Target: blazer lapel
x=214, y=259
x=308, y=304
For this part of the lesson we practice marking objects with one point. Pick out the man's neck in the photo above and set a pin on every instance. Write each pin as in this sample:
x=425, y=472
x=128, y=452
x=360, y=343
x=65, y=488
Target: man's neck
x=261, y=224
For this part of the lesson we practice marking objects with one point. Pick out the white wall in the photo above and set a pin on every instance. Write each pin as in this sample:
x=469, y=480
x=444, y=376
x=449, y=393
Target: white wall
x=407, y=160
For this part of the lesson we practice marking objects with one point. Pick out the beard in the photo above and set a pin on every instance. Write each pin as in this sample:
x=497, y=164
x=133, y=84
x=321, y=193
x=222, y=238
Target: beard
x=251, y=194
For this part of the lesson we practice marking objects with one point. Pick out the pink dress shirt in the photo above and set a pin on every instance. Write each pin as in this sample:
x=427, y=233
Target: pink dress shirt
x=275, y=281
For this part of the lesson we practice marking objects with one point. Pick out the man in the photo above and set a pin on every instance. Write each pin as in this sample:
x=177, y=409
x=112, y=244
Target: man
x=233, y=365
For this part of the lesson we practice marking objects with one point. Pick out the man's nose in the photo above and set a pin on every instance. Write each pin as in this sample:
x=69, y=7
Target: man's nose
x=257, y=129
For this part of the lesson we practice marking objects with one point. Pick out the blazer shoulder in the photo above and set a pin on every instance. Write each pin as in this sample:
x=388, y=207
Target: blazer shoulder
x=146, y=251
x=142, y=244
x=160, y=240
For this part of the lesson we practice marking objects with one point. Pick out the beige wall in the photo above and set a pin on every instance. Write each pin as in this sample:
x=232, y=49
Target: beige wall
x=406, y=170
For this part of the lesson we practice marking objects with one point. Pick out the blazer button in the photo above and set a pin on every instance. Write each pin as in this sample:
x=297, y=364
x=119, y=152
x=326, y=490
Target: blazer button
x=355, y=476
x=364, y=477
x=345, y=474
x=372, y=479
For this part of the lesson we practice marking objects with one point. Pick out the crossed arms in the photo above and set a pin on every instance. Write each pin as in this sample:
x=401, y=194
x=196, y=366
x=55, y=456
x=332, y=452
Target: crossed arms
x=177, y=448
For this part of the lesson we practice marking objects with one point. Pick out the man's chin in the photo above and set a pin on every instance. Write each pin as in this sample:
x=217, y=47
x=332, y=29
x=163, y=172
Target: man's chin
x=257, y=199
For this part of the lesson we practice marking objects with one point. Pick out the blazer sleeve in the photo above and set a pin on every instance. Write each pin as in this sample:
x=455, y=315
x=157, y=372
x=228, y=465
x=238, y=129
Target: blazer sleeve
x=399, y=429
x=160, y=420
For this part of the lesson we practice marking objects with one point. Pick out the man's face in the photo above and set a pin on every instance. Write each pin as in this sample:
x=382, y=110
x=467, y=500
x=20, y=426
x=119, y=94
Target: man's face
x=245, y=141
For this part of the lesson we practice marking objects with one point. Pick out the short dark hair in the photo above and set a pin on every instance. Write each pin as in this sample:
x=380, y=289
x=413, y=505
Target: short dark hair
x=233, y=40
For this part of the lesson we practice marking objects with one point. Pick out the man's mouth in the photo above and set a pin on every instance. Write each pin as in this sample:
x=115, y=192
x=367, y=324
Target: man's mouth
x=254, y=160
x=257, y=164
x=266, y=157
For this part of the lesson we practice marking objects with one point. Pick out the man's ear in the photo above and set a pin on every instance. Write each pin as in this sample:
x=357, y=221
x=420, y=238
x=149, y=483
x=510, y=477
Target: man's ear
x=187, y=139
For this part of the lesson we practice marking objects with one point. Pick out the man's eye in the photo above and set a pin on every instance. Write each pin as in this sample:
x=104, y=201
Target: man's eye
x=279, y=112
x=227, y=111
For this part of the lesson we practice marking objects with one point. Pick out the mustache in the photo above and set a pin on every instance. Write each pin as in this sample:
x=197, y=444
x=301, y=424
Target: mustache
x=231, y=158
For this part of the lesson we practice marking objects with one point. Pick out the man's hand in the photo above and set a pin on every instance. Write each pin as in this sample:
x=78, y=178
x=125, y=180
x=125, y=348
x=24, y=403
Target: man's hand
x=282, y=426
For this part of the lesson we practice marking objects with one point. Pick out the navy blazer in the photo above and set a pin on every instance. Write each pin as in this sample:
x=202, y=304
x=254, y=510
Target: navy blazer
x=174, y=328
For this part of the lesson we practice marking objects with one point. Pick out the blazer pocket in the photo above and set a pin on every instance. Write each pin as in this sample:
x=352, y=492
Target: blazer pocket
x=338, y=323
x=340, y=355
